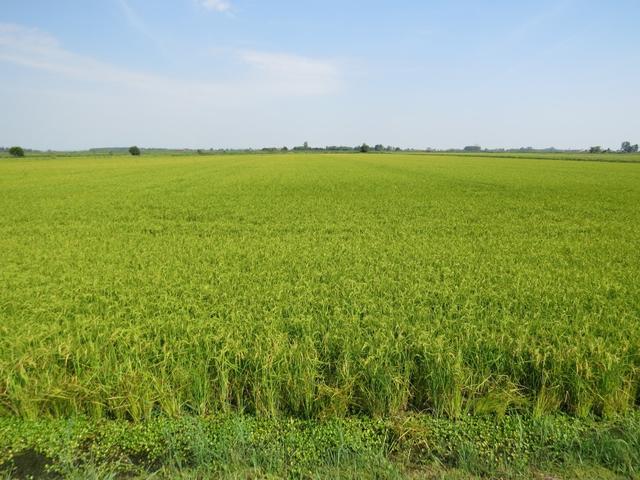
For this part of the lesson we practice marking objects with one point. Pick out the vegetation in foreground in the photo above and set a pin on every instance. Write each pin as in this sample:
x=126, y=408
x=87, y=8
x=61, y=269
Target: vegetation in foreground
x=319, y=287
x=245, y=447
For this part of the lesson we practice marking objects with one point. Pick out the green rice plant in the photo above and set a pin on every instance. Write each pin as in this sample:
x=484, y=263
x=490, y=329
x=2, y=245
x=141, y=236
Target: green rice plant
x=318, y=286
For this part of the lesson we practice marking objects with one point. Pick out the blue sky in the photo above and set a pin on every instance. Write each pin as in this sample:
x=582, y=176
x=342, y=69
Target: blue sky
x=248, y=73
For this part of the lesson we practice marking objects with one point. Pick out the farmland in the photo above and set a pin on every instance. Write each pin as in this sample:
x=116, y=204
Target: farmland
x=319, y=287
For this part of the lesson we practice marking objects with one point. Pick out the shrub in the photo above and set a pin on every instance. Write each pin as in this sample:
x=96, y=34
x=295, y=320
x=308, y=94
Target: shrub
x=135, y=151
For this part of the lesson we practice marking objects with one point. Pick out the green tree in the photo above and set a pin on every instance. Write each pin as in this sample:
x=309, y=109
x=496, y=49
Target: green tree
x=595, y=150
x=364, y=148
x=16, y=152
x=628, y=148
x=135, y=151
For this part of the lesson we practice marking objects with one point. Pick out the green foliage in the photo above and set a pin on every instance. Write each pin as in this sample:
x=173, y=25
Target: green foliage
x=238, y=446
x=222, y=445
x=16, y=152
x=318, y=286
x=498, y=448
x=364, y=148
x=135, y=151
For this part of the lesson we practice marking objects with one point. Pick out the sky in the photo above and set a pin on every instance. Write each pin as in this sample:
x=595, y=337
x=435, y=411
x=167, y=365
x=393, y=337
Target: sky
x=76, y=74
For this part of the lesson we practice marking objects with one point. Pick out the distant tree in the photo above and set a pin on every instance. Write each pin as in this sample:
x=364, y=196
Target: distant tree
x=306, y=145
x=398, y=149
x=634, y=148
x=285, y=149
x=595, y=149
x=364, y=148
x=16, y=152
x=135, y=151
x=472, y=148
x=628, y=148
x=379, y=148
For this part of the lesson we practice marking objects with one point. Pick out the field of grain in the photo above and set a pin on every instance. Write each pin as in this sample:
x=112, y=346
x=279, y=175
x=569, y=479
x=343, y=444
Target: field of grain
x=317, y=286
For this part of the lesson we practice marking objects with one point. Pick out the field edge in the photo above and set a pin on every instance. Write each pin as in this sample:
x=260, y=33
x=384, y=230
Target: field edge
x=241, y=446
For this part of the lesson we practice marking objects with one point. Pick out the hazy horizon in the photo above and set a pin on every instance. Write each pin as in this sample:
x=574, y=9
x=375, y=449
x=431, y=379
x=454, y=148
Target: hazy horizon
x=247, y=74
x=290, y=148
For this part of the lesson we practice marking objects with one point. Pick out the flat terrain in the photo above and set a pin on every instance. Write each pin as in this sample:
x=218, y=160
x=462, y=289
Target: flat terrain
x=318, y=286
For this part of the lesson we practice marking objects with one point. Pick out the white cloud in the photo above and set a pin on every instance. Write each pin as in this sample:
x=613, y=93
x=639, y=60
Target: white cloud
x=295, y=74
x=269, y=74
x=33, y=48
x=216, y=5
x=134, y=20
x=62, y=99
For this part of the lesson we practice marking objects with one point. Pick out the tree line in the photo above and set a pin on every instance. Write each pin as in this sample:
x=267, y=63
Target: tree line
x=626, y=147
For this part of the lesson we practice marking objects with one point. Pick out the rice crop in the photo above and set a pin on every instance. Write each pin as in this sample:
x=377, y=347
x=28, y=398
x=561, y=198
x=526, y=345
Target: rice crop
x=318, y=286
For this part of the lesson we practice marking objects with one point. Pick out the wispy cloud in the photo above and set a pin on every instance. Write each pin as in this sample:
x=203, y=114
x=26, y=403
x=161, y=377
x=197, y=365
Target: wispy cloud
x=135, y=21
x=272, y=74
x=83, y=101
x=33, y=48
x=544, y=16
x=296, y=74
x=216, y=5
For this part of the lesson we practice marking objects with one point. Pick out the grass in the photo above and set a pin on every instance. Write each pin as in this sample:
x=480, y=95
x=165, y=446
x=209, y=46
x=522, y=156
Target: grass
x=234, y=446
x=318, y=286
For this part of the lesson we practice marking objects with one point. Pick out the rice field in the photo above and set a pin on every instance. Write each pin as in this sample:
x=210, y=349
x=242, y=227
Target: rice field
x=318, y=286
